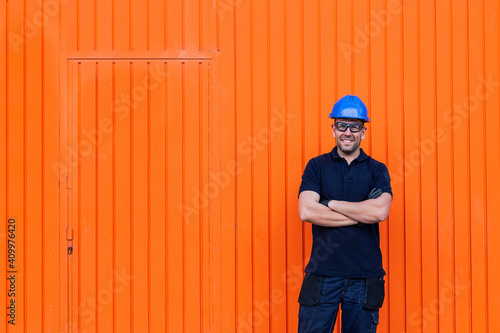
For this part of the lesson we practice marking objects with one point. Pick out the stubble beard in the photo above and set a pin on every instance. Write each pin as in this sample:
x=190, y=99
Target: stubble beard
x=352, y=149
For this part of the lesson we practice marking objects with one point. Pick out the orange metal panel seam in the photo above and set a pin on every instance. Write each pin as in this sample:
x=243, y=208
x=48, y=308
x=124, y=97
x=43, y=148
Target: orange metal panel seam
x=113, y=168
x=165, y=66
x=200, y=25
x=200, y=184
x=98, y=181
x=183, y=176
x=148, y=33
x=149, y=176
x=26, y=217
x=251, y=82
x=132, y=188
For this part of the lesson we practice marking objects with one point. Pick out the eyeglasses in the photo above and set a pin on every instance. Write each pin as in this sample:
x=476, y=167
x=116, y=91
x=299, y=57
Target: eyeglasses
x=355, y=128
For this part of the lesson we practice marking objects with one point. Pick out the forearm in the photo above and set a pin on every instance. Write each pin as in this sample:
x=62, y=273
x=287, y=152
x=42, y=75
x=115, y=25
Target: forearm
x=368, y=211
x=321, y=215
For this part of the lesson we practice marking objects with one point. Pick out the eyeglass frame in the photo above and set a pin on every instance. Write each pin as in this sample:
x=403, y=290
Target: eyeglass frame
x=349, y=126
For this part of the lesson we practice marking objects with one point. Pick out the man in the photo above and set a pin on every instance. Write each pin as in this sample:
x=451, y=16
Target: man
x=344, y=194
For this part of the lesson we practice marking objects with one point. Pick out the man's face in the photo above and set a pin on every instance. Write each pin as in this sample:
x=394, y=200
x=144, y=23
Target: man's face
x=348, y=142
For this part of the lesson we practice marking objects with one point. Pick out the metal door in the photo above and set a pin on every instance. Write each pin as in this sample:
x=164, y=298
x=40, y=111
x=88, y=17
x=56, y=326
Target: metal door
x=138, y=226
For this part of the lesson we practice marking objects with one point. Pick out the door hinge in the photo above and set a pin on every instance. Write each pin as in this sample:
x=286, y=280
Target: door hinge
x=69, y=238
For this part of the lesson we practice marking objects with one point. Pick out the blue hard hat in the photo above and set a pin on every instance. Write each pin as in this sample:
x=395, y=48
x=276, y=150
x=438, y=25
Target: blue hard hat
x=351, y=107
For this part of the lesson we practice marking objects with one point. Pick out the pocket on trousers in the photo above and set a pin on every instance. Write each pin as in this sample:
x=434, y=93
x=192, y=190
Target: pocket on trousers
x=375, y=293
x=309, y=292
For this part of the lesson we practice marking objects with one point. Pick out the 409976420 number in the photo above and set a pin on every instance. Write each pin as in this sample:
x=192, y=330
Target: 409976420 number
x=11, y=271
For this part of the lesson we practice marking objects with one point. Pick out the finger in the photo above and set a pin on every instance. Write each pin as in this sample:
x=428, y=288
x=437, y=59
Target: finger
x=375, y=194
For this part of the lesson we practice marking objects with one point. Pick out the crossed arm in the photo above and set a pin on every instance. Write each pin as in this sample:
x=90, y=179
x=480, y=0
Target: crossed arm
x=343, y=213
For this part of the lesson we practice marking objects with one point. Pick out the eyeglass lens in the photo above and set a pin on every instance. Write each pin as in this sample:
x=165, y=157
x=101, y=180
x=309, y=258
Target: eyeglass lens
x=344, y=126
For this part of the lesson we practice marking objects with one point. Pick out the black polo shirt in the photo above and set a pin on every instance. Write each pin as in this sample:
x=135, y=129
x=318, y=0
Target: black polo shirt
x=353, y=251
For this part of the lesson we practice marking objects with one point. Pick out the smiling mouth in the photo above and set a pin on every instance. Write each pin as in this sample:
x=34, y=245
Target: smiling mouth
x=347, y=140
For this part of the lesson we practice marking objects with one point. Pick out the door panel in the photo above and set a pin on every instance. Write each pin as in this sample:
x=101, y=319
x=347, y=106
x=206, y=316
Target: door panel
x=138, y=134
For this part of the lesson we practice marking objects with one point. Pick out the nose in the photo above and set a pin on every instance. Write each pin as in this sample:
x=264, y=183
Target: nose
x=348, y=129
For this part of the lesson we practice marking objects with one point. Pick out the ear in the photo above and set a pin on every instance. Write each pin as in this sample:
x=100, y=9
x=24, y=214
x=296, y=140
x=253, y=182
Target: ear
x=363, y=132
x=333, y=130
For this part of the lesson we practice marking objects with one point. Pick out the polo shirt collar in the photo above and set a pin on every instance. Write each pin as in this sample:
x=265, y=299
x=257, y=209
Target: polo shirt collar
x=362, y=156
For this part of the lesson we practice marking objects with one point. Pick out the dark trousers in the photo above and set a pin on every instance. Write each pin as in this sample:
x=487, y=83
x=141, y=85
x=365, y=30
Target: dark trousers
x=321, y=296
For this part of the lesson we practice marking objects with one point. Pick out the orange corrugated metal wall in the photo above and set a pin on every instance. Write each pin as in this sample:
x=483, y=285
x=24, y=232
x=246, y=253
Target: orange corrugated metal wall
x=152, y=151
